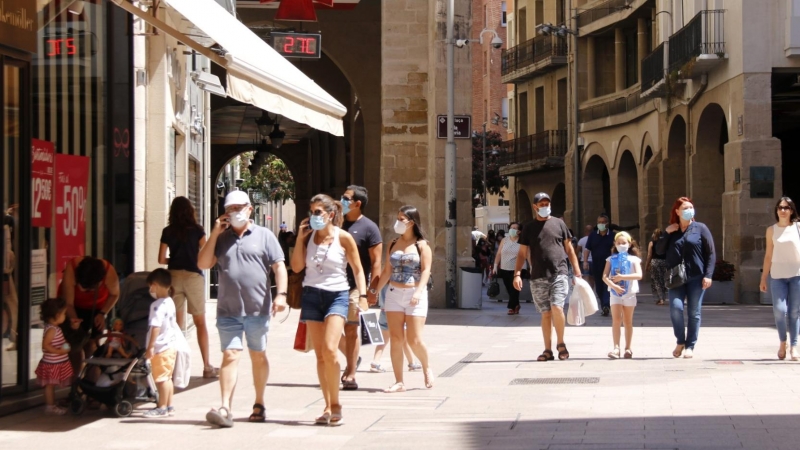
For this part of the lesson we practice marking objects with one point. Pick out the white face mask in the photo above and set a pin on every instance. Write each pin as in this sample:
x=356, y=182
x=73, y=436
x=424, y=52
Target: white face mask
x=623, y=248
x=153, y=294
x=240, y=219
x=400, y=227
x=512, y=233
x=544, y=212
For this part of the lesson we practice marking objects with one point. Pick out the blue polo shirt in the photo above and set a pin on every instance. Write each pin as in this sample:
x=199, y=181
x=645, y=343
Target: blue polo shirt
x=600, y=247
x=244, y=264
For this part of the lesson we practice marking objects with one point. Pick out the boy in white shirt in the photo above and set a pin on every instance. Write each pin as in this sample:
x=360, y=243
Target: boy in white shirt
x=161, y=341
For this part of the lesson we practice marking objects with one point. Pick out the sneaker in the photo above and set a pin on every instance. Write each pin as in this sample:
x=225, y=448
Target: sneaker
x=170, y=411
x=156, y=412
x=414, y=366
x=53, y=410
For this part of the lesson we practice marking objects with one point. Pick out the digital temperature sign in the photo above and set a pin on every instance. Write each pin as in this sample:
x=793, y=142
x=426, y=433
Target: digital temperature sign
x=297, y=45
x=79, y=45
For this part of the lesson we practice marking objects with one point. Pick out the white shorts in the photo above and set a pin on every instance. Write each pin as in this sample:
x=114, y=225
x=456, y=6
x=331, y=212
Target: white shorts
x=627, y=300
x=399, y=300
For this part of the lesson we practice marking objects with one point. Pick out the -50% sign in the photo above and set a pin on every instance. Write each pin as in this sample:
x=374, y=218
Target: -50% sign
x=72, y=184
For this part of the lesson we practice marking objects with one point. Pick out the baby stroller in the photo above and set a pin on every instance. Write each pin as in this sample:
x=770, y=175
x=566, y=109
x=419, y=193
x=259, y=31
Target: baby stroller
x=121, y=383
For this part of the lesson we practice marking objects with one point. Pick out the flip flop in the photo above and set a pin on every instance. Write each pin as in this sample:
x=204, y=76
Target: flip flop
x=215, y=417
x=397, y=387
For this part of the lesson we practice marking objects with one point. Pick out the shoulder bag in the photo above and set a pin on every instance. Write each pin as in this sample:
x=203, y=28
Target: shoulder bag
x=294, y=291
x=677, y=275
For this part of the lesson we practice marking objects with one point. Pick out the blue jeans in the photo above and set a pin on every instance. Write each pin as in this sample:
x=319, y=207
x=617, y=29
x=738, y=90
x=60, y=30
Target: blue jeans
x=254, y=329
x=786, y=307
x=693, y=292
x=318, y=304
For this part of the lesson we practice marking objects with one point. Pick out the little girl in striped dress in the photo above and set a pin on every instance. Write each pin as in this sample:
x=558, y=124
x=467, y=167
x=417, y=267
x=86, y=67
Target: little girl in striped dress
x=54, y=369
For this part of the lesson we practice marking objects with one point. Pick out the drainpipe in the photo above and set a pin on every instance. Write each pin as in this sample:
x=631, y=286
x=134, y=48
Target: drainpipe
x=576, y=157
x=689, y=134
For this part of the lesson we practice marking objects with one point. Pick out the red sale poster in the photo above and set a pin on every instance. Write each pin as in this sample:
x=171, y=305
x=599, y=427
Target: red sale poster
x=72, y=183
x=43, y=154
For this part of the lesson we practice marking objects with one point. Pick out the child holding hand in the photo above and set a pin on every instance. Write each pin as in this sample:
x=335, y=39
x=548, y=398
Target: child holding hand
x=621, y=274
x=54, y=369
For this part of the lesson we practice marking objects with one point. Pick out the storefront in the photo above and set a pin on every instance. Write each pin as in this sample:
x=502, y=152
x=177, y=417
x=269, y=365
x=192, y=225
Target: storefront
x=67, y=159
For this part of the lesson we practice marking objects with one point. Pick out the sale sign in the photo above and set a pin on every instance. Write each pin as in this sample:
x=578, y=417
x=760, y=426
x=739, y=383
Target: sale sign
x=72, y=183
x=43, y=155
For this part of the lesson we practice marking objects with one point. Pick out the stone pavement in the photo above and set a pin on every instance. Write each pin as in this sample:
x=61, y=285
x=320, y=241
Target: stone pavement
x=491, y=393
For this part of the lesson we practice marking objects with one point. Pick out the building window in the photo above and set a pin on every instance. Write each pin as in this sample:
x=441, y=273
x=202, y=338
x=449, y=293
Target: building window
x=512, y=116
x=503, y=18
x=504, y=108
x=560, y=12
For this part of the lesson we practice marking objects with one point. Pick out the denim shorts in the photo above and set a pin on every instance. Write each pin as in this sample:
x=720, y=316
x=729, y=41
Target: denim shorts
x=318, y=304
x=254, y=328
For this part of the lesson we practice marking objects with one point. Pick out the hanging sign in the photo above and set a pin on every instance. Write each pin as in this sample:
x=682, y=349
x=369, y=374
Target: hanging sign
x=72, y=183
x=42, y=161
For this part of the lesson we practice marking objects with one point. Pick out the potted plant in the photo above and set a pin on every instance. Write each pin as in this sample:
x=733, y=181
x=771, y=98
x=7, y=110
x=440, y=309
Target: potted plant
x=721, y=290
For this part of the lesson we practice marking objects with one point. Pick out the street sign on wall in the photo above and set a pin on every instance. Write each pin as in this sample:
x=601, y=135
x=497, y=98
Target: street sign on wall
x=462, y=127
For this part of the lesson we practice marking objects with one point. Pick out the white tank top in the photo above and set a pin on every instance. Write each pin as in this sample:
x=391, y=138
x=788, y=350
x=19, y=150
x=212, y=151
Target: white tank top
x=326, y=265
x=508, y=254
x=785, y=251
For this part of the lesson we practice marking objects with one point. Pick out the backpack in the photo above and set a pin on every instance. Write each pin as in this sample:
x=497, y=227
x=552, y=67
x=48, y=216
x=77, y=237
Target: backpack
x=416, y=244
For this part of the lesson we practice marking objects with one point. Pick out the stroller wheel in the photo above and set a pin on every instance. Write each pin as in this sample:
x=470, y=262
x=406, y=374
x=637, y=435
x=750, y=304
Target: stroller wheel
x=77, y=405
x=123, y=409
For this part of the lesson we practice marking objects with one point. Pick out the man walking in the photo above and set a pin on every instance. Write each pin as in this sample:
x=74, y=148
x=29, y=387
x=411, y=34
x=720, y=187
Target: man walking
x=370, y=248
x=587, y=231
x=550, y=244
x=245, y=254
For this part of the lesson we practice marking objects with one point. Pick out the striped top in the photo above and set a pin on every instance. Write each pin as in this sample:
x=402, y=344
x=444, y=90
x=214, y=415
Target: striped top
x=508, y=255
x=57, y=342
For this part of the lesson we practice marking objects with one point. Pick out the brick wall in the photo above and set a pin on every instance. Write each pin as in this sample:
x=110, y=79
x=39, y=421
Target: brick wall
x=487, y=88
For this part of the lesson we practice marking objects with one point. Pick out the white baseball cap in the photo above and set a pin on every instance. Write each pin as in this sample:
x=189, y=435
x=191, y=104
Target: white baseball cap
x=237, y=198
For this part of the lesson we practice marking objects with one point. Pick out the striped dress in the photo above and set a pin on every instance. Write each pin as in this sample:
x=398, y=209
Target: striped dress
x=54, y=369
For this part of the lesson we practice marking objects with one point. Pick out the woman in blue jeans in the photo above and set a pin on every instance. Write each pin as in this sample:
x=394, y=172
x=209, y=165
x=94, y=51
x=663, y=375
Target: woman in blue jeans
x=687, y=242
x=324, y=250
x=782, y=266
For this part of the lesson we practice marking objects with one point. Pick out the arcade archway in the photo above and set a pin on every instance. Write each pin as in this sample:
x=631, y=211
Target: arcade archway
x=708, y=180
x=673, y=175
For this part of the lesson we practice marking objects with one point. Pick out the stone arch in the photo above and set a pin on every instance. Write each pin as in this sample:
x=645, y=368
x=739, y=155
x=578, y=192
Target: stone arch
x=627, y=190
x=524, y=207
x=558, y=200
x=647, y=143
x=708, y=167
x=651, y=183
x=673, y=170
x=625, y=144
x=596, y=188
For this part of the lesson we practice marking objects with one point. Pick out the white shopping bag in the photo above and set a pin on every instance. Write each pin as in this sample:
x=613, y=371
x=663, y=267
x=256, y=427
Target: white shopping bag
x=582, y=303
x=182, y=373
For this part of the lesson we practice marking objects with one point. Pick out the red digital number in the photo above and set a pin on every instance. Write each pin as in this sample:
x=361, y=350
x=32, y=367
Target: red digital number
x=288, y=46
x=71, y=48
x=54, y=47
x=304, y=44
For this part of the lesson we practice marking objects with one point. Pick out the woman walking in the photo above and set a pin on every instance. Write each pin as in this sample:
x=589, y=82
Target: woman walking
x=324, y=250
x=782, y=269
x=184, y=238
x=690, y=243
x=504, y=264
x=407, y=270
x=657, y=266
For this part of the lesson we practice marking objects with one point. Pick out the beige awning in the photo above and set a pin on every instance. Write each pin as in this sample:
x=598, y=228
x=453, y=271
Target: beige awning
x=257, y=74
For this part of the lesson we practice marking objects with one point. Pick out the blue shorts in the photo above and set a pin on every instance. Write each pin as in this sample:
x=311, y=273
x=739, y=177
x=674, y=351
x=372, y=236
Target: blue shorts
x=254, y=328
x=317, y=304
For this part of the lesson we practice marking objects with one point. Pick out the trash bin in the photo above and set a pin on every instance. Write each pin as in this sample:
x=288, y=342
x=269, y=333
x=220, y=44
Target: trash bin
x=470, y=292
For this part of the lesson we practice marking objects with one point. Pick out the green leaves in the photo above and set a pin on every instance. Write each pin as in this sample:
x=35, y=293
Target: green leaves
x=494, y=182
x=272, y=183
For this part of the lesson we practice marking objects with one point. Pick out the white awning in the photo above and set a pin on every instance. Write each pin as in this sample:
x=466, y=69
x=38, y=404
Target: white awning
x=257, y=74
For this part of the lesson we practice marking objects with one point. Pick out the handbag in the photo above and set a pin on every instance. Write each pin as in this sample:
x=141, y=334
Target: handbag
x=371, y=333
x=294, y=290
x=494, y=289
x=677, y=275
x=302, y=340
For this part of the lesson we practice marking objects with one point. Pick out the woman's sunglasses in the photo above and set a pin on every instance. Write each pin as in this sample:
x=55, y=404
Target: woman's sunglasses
x=318, y=212
x=784, y=208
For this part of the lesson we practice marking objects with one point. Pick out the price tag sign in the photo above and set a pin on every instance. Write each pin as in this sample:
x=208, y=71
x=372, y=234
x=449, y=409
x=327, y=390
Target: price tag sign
x=42, y=162
x=71, y=185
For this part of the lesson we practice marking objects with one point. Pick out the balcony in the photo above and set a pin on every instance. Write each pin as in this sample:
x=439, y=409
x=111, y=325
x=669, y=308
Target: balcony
x=612, y=107
x=533, y=58
x=601, y=11
x=538, y=151
x=694, y=50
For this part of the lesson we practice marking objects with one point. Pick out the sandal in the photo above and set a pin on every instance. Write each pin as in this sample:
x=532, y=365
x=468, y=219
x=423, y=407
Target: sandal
x=349, y=385
x=614, y=354
x=511, y=312
x=678, y=351
x=660, y=303
x=546, y=355
x=258, y=413
x=628, y=353
x=782, y=351
x=336, y=419
x=210, y=372
x=563, y=355
x=429, y=378
x=397, y=387
x=414, y=366
x=376, y=368
x=215, y=417
x=324, y=419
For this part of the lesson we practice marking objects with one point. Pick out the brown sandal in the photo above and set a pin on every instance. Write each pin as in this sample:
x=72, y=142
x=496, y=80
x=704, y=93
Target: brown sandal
x=546, y=355
x=563, y=355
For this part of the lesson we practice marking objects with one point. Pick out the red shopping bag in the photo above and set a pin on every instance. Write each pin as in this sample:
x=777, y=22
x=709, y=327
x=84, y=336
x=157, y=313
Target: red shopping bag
x=302, y=340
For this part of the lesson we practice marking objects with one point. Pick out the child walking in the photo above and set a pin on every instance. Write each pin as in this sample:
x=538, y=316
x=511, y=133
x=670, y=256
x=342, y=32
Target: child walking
x=622, y=272
x=162, y=341
x=54, y=369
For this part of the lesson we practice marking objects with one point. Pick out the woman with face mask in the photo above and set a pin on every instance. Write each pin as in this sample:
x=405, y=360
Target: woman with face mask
x=690, y=243
x=407, y=270
x=323, y=249
x=504, y=263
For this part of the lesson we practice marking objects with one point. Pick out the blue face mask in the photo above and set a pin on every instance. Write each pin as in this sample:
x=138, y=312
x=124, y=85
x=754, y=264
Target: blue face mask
x=512, y=233
x=687, y=214
x=345, y=206
x=601, y=227
x=317, y=222
x=544, y=212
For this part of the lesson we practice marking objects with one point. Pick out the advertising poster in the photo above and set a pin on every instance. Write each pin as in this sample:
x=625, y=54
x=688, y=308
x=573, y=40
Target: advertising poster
x=42, y=168
x=71, y=186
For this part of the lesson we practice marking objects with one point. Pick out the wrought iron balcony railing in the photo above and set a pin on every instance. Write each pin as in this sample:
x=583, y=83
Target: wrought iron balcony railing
x=653, y=68
x=537, y=146
x=703, y=35
x=611, y=107
x=602, y=10
x=531, y=52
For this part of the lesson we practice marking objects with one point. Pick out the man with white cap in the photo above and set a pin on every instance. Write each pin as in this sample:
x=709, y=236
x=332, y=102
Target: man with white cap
x=245, y=254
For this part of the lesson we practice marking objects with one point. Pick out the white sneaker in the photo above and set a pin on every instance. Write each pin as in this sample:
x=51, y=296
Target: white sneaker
x=688, y=353
x=794, y=353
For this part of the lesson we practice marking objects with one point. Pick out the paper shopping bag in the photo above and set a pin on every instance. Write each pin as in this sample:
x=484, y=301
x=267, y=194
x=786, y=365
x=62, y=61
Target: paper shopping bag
x=302, y=339
x=370, y=329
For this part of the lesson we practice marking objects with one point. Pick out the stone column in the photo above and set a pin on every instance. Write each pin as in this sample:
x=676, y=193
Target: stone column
x=591, y=69
x=641, y=45
x=619, y=59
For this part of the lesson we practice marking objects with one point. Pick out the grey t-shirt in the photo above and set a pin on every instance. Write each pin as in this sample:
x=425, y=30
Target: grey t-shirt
x=546, y=241
x=244, y=264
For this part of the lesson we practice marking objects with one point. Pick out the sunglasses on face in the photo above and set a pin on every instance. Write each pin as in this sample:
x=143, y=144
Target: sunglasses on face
x=784, y=208
x=346, y=199
x=317, y=212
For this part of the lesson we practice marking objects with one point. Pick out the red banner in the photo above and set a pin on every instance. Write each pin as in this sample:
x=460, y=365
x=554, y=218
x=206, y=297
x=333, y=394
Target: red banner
x=72, y=183
x=42, y=161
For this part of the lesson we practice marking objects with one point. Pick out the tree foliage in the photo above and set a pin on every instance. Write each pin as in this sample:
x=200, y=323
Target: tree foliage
x=494, y=182
x=272, y=183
